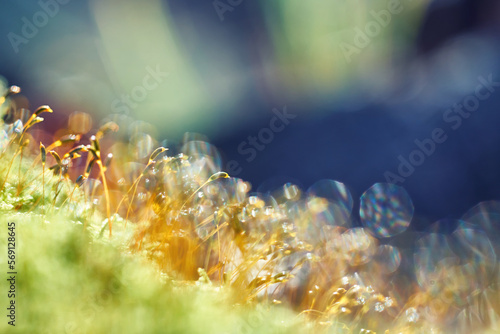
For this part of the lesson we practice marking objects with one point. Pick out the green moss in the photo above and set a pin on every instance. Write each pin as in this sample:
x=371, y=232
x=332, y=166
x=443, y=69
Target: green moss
x=70, y=282
x=70, y=279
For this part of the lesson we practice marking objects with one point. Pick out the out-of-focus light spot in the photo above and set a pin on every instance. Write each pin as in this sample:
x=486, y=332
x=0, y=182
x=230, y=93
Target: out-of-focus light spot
x=79, y=122
x=386, y=210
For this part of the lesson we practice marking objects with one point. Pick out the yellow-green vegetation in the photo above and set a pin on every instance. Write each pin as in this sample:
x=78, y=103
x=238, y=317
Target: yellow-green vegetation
x=70, y=281
x=74, y=278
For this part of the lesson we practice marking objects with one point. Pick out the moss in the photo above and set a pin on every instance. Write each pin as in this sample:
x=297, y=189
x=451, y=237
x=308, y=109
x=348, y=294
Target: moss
x=171, y=244
x=72, y=278
x=70, y=282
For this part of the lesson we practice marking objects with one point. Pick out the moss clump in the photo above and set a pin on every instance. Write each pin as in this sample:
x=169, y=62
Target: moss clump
x=69, y=281
x=72, y=278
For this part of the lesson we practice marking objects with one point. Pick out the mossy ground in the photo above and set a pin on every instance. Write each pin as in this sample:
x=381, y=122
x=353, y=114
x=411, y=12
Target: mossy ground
x=72, y=279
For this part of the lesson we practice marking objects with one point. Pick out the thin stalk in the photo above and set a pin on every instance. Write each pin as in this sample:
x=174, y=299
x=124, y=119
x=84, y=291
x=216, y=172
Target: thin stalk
x=106, y=194
x=43, y=188
x=19, y=173
x=8, y=171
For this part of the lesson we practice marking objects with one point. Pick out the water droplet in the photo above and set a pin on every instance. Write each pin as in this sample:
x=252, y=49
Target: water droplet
x=412, y=315
x=243, y=215
x=268, y=210
x=17, y=127
x=254, y=212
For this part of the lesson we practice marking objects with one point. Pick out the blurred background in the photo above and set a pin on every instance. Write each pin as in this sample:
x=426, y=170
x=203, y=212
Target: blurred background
x=287, y=90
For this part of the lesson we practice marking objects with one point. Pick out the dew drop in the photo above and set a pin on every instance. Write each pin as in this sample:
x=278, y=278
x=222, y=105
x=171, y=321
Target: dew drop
x=412, y=315
x=379, y=307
